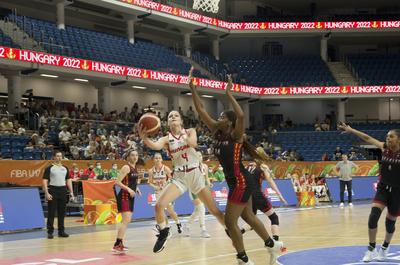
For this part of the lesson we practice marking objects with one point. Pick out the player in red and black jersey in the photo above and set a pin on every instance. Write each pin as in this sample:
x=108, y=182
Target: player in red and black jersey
x=387, y=193
x=261, y=172
x=127, y=180
x=229, y=143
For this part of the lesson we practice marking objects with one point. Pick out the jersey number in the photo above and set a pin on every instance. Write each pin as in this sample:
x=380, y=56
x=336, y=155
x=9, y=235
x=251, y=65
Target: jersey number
x=185, y=156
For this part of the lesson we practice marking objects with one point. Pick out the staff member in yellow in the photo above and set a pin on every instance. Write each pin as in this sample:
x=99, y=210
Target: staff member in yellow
x=55, y=181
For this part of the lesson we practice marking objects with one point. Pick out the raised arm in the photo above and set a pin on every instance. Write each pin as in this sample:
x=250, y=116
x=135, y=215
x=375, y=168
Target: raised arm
x=154, y=145
x=239, y=127
x=271, y=182
x=365, y=137
x=198, y=104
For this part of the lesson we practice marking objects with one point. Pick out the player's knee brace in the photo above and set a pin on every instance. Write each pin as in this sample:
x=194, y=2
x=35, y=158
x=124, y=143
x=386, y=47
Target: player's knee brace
x=390, y=226
x=274, y=219
x=374, y=217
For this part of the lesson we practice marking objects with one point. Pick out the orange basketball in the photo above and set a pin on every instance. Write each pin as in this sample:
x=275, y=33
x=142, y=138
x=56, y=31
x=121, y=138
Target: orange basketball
x=151, y=122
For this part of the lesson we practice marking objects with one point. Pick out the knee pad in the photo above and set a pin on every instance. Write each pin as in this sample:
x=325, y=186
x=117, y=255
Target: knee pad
x=390, y=226
x=374, y=217
x=274, y=219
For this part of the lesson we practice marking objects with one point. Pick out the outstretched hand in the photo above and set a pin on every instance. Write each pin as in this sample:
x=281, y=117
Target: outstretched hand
x=142, y=132
x=229, y=86
x=344, y=127
x=190, y=77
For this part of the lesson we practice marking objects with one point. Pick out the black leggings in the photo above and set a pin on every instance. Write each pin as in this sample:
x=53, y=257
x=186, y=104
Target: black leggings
x=349, y=191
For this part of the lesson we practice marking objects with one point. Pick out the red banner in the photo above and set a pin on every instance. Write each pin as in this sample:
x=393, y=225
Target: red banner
x=127, y=71
x=265, y=26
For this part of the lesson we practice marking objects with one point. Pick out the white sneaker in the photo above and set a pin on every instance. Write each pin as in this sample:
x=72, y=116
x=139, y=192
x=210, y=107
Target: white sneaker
x=241, y=262
x=382, y=254
x=341, y=205
x=275, y=251
x=370, y=255
x=350, y=204
x=205, y=234
x=186, y=230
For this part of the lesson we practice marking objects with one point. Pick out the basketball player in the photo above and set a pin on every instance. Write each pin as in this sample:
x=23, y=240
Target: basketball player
x=387, y=193
x=229, y=135
x=181, y=144
x=127, y=180
x=261, y=172
x=199, y=209
x=159, y=174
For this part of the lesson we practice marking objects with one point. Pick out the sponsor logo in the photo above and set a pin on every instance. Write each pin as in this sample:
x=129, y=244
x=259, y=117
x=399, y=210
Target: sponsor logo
x=1, y=214
x=221, y=196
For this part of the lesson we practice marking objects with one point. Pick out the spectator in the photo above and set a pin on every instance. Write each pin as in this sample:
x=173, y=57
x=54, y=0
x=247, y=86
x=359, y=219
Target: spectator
x=90, y=150
x=6, y=126
x=74, y=173
x=89, y=172
x=113, y=172
x=325, y=157
x=218, y=174
x=264, y=143
x=85, y=108
x=337, y=155
x=288, y=123
x=98, y=171
x=345, y=169
x=65, y=137
x=353, y=155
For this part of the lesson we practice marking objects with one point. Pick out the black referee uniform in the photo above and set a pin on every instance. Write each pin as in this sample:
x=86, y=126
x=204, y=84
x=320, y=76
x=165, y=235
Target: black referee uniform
x=57, y=176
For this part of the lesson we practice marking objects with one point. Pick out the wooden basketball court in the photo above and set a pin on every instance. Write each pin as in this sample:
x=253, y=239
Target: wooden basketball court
x=300, y=229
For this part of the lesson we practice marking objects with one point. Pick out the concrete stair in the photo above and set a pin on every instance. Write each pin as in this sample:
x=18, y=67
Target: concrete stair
x=342, y=75
x=197, y=66
x=19, y=36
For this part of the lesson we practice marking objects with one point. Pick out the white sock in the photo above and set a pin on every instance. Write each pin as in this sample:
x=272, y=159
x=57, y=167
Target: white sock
x=194, y=215
x=202, y=216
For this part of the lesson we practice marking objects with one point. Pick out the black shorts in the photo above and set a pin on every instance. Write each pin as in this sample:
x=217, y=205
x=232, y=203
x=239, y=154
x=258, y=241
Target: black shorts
x=240, y=188
x=260, y=202
x=390, y=197
x=124, y=202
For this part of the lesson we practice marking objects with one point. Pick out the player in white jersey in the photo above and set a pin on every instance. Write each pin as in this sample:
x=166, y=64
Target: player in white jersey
x=199, y=209
x=186, y=174
x=159, y=175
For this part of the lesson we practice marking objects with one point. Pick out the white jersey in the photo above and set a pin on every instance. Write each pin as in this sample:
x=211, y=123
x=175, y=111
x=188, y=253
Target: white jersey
x=183, y=157
x=159, y=177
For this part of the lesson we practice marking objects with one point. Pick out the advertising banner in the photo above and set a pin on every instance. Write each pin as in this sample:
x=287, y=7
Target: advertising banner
x=127, y=71
x=100, y=206
x=363, y=188
x=30, y=173
x=20, y=209
x=261, y=26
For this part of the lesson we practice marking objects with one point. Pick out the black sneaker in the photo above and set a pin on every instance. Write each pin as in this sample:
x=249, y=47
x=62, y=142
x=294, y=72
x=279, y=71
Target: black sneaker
x=63, y=234
x=179, y=226
x=50, y=236
x=161, y=239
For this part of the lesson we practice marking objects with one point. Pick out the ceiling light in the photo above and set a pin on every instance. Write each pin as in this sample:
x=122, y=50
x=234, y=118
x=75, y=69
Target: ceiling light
x=50, y=76
x=81, y=80
x=188, y=94
x=139, y=87
x=207, y=96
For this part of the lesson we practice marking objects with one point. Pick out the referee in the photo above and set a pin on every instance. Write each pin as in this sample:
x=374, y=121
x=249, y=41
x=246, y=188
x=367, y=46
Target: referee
x=55, y=181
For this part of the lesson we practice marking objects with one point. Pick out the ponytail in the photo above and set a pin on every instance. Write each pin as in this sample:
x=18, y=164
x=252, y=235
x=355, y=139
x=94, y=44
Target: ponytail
x=256, y=154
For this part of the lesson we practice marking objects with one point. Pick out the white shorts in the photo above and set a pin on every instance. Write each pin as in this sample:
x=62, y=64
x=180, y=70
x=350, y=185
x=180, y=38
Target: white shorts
x=158, y=195
x=193, y=180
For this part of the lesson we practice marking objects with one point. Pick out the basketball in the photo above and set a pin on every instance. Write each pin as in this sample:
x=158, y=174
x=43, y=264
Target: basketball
x=151, y=122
